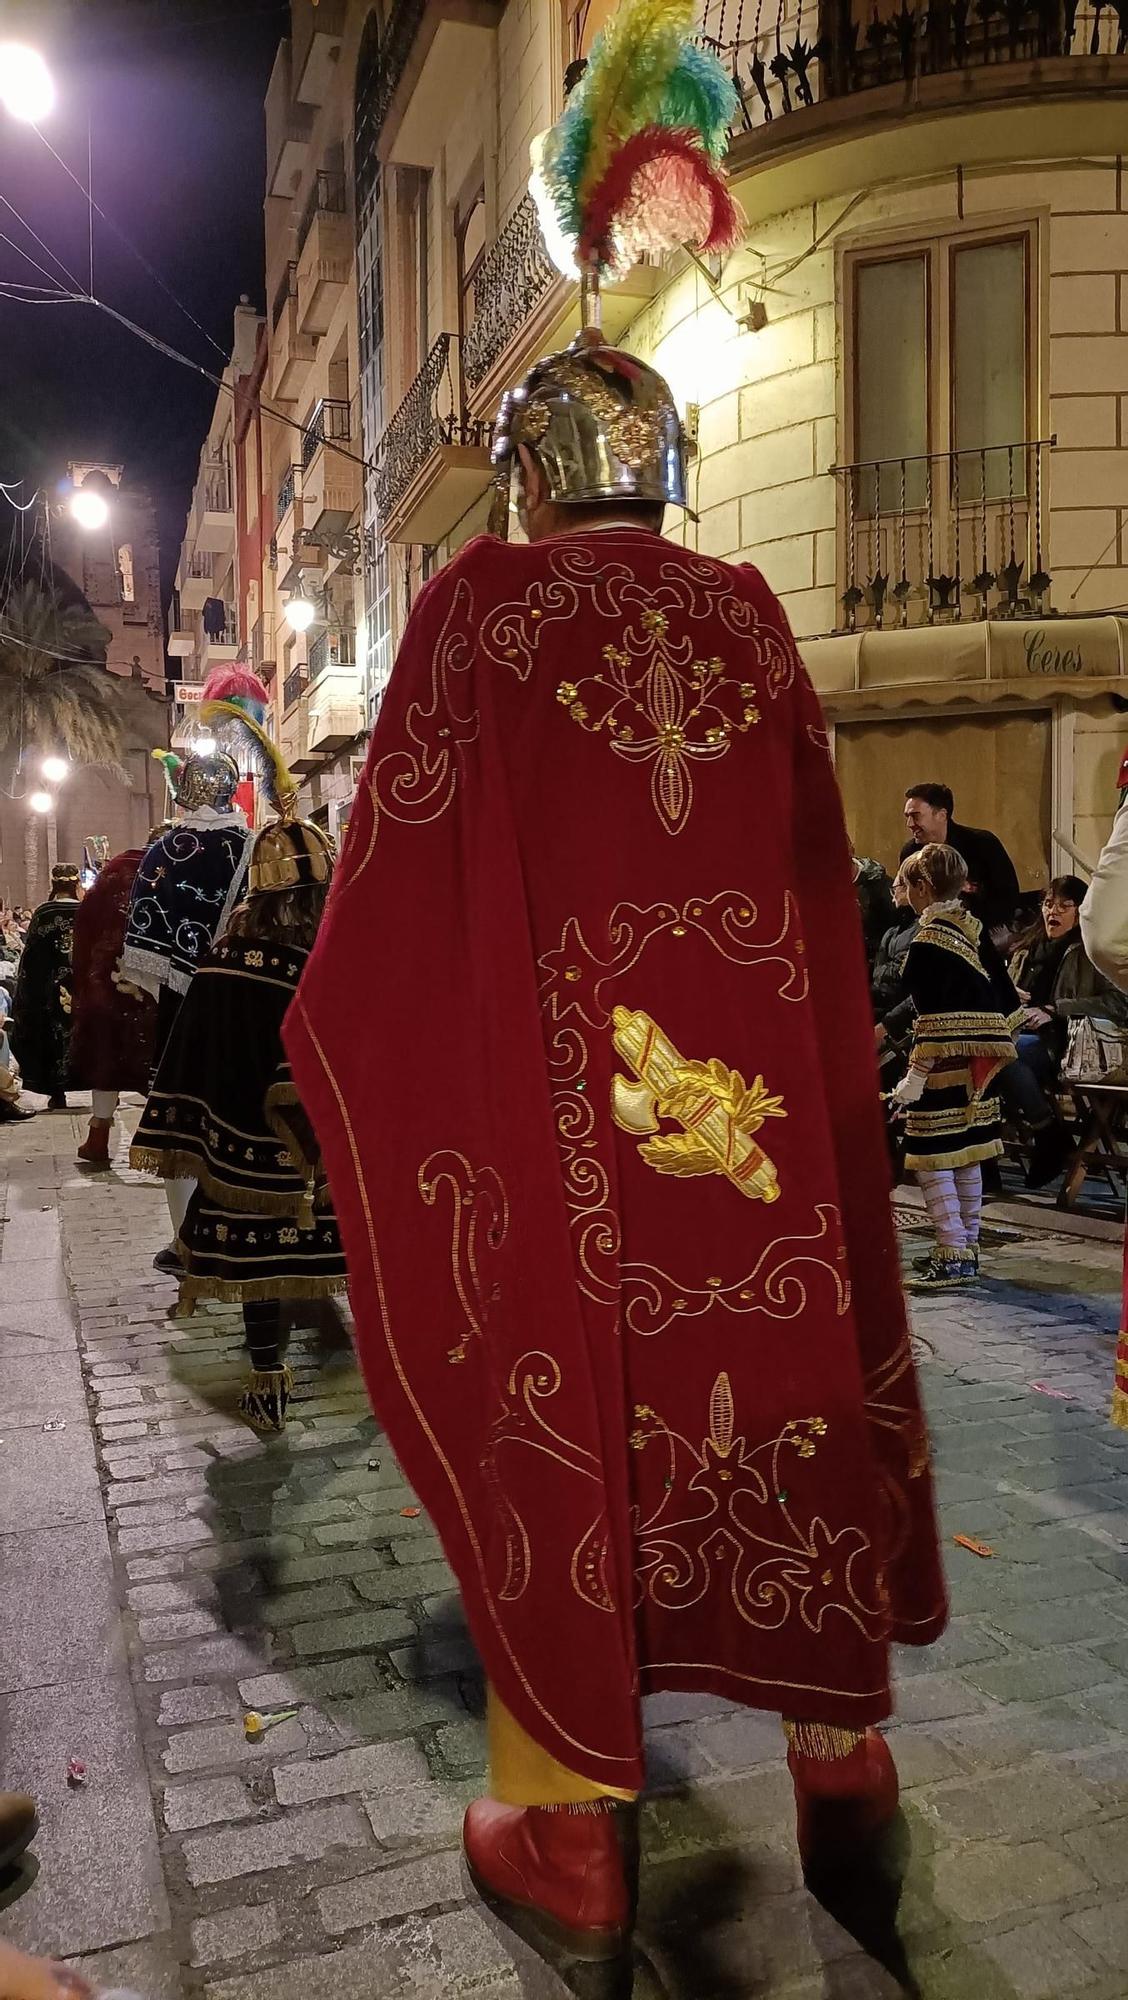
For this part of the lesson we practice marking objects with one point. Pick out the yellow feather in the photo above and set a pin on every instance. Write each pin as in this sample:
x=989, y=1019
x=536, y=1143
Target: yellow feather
x=626, y=75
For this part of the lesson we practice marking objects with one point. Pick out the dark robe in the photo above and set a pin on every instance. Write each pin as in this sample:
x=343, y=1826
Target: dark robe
x=587, y=1041
x=967, y=1012
x=223, y=1111
x=185, y=889
x=113, y=1029
x=40, y=1027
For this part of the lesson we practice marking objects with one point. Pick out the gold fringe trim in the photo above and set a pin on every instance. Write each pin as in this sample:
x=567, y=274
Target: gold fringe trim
x=174, y=1164
x=236, y=1291
x=265, y=1381
x=1119, y=1411
x=971, y=1156
x=821, y=1741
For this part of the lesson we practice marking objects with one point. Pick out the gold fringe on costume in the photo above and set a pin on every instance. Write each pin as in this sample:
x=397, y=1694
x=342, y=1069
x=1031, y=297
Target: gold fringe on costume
x=821, y=1741
x=231, y=1291
x=1119, y=1411
x=181, y=1165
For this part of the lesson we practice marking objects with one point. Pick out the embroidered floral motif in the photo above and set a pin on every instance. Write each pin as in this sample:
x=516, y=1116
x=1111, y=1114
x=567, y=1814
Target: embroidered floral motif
x=254, y=959
x=658, y=704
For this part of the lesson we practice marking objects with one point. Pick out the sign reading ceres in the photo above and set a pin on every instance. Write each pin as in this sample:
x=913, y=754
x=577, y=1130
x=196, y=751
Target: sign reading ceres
x=1044, y=657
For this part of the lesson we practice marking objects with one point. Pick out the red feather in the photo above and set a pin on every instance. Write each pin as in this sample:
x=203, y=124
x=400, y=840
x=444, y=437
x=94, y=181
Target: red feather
x=227, y=683
x=661, y=189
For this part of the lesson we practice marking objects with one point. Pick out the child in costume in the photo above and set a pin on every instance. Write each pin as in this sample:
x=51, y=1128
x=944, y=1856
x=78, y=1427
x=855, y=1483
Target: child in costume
x=966, y=1014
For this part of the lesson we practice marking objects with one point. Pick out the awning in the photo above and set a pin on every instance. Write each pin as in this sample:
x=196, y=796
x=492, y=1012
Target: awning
x=993, y=660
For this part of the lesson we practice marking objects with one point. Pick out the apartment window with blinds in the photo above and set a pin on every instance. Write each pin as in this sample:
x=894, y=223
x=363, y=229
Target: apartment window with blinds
x=942, y=362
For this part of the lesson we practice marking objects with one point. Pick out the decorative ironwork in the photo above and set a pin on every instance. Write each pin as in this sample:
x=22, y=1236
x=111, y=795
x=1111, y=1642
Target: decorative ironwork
x=432, y=414
x=383, y=60
x=293, y=687
x=331, y=650
x=327, y=196
x=286, y=489
x=199, y=566
x=511, y=281
x=778, y=69
x=947, y=516
x=329, y=420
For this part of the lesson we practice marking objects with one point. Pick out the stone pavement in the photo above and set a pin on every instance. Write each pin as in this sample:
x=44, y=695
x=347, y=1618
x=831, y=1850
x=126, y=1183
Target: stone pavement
x=161, y=1571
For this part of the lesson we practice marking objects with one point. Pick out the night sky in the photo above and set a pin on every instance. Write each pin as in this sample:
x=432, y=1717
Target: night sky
x=174, y=91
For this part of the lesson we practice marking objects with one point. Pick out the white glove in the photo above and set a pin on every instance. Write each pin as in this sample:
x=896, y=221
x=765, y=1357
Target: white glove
x=911, y=1086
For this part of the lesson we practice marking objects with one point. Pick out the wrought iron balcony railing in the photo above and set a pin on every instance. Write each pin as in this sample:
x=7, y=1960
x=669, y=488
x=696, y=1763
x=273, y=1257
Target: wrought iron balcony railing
x=262, y=642
x=327, y=196
x=839, y=47
x=329, y=420
x=330, y=650
x=198, y=565
x=292, y=688
x=216, y=491
x=513, y=277
x=951, y=536
x=432, y=413
x=287, y=290
x=286, y=489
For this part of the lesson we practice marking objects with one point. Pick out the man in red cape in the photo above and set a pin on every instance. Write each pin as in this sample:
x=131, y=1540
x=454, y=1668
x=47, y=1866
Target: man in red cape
x=586, y=1038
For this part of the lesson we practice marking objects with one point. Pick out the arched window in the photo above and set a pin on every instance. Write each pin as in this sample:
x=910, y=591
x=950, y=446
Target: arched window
x=370, y=290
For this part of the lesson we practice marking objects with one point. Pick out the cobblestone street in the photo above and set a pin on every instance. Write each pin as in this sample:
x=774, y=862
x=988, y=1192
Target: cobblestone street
x=163, y=1571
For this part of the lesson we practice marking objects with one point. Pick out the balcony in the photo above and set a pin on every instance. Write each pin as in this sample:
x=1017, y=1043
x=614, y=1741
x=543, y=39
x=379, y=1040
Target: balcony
x=288, y=128
x=291, y=349
x=293, y=687
x=436, y=53
x=330, y=653
x=336, y=713
x=852, y=97
x=434, y=460
x=215, y=522
x=331, y=479
x=293, y=736
x=524, y=307
x=325, y=252
x=195, y=581
x=316, y=50
x=181, y=642
x=946, y=590
x=263, y=654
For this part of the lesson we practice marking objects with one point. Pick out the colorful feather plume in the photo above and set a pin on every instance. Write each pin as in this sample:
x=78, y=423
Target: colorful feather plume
x=239, y=686
x=633, y=165
x=278, y=781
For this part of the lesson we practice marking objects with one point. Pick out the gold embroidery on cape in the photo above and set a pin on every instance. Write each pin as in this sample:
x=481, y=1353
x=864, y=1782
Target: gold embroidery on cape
x=718, y=1112
x=416, y=781
x=479, y=1223
x=690, y=586
x=725, y=1519
x=535, y=1379
x=659, y=705
x=778, y=1285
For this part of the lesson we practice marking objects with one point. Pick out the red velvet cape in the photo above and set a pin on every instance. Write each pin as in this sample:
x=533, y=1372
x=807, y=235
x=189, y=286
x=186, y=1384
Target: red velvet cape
x=668, y=1429
x=113, y=1036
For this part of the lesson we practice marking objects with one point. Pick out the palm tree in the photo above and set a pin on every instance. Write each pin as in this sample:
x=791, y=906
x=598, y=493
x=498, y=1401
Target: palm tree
x=55, y=693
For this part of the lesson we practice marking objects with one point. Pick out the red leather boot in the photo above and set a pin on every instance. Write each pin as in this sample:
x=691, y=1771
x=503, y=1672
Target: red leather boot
x=843, y=1804
x=557, y=1877
x=95, y=1148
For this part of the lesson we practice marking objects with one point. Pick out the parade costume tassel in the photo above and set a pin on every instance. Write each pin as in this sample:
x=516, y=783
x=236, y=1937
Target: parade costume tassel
x=632, y=168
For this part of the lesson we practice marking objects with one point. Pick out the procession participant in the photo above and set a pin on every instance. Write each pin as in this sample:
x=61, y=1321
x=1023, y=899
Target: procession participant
x=587, y=1043
x=259, y=1229
x=967, y=1011
x=189, y=881
x=1104, y=928
x=114, y=1026
x=41, y=1008
x=10, y=1085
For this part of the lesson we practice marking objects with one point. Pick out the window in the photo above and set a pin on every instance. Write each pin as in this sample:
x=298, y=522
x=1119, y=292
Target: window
x=582, y=21
x=125, y=565
x=941, y=371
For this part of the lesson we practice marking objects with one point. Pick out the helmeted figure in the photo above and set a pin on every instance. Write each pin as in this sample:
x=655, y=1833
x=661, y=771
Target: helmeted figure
x=587, y=1043
x=190, y=877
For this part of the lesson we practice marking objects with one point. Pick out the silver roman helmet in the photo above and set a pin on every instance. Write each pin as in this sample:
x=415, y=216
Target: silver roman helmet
x=603, y=425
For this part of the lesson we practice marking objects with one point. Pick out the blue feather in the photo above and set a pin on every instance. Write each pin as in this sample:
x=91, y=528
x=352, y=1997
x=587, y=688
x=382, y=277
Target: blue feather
x=700, y=93
x=564, y=160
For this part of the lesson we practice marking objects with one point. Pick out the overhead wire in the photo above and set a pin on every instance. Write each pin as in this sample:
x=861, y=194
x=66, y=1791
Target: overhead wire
x=45, y=247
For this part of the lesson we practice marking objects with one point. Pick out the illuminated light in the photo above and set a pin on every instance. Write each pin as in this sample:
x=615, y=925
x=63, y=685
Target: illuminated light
x=41, y=802
x=299, y=613
x=27, y=91
x=203, y=746
x=89, y=509
x=55, y=770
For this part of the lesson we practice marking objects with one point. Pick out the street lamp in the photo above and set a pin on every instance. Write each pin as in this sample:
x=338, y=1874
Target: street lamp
x=89, y=509
x=55, y=769
x=299, y=613
x=27, y=91
x=41, y=802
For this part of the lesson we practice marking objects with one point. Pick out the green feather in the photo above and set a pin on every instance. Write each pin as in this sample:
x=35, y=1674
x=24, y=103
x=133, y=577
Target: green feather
x=701, y=94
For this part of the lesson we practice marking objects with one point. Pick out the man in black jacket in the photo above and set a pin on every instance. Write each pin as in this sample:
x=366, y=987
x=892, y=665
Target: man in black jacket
x=992, y=888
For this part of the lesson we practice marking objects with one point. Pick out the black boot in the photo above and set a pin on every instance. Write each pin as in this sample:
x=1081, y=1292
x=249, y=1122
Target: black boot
x=1049, y=1153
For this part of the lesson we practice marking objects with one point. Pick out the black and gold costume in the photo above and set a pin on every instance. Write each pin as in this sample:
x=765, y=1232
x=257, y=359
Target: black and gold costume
x=967, y=1011
x=223, y=1111
x=40, y=1027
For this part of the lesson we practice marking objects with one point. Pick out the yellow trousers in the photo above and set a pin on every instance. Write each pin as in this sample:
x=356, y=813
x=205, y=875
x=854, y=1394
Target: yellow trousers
x=522, y=1774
